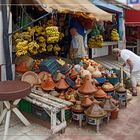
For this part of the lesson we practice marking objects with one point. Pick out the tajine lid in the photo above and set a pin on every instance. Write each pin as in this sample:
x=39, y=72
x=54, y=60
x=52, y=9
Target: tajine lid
x=95, y=111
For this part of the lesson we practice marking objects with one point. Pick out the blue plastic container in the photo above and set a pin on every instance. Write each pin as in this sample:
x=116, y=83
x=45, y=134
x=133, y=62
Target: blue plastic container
x=101, y=80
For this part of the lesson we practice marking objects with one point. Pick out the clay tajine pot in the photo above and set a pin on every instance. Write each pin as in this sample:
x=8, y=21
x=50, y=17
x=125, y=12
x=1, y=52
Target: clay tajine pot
x=95, y=111
x=77, y=107
x=120, y=88
x=62, y=85
x=87, y=87
x=48, y=84
x=107, y=86
x=108, y=105
x=86, y=101
x=57, y=76
x=100, y=93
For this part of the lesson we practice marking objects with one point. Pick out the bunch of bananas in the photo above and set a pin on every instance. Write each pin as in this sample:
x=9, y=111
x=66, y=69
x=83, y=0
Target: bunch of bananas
x=96, y=42
x=20, y=37
x=41, y=39
x=114, y=35
x=50, y=48
x=52, y=34
x=22, y=48
x=33, y=47
x=42, y=47
x=56, y=49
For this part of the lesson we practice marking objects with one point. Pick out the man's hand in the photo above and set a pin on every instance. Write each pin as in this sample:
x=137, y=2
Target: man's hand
x=130, y=63
x=124, y=64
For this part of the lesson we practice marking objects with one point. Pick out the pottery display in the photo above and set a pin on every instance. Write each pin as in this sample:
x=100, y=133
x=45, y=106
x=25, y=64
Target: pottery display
x=87, y=87
x=95, y=111
x=120, y=88
x=48, y=84
x=61, y=84
x=108, y=105
x=107, y=86
x=77, y=107
x=86, y=101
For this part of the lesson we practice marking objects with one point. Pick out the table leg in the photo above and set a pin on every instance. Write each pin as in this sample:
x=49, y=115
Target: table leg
x=97, y=125
x=21, y=117
x=3, y=115
x=80, y=120
x=1, y=107
x=7, y=124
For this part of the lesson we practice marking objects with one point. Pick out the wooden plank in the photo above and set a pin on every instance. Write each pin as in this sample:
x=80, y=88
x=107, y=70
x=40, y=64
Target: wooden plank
x=40, y=104
x=52, y=97
x=47, y=101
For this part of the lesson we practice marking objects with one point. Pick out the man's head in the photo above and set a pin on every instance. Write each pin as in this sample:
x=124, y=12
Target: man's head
x=73, y=31
x=116, y=52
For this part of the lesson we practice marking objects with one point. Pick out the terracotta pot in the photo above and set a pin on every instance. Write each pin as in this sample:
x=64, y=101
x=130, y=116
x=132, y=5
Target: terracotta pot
x=72, y=98
x=87, y=87
x=95, y=111
x=107, y=86
x=48, y=84
x=62, y=85
x=86, y=101
x=43, y=76
x=77, y=107
x=114, y=114
x=90, y=68
x=108, y=105
x=21, y=68
x=100, y=93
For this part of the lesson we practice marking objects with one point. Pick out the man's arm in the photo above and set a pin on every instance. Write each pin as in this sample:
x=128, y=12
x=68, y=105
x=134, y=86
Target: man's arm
x=130, y=63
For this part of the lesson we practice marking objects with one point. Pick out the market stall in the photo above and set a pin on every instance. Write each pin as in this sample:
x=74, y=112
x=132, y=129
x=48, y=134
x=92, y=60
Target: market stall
x=88, y=90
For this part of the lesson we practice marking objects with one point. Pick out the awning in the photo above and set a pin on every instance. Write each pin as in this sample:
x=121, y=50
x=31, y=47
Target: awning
x=132, y=18
x=84, y=6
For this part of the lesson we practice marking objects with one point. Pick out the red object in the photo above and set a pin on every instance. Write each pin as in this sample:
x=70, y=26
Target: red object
x=132, y=18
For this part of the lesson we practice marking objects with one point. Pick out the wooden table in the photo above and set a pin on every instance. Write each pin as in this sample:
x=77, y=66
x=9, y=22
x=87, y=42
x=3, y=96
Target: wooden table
x=11, y=92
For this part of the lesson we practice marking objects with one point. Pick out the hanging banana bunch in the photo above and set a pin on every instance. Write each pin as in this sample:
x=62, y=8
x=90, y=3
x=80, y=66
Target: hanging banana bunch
x=50, y=48
x=115, y=35
x=33, y=47
x=52, y=34
x=22, y=48
x=96, y=42
x=42, y=47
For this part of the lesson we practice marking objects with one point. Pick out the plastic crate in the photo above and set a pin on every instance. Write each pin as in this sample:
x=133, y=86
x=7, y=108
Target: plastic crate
x=39, y=113
x=68, y=115
x=25, y=106
x=50, y=65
